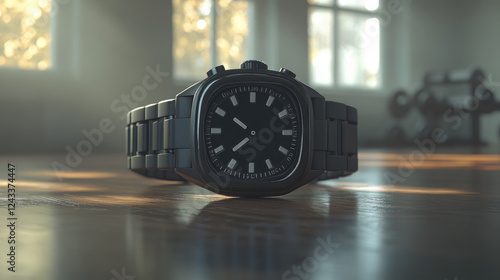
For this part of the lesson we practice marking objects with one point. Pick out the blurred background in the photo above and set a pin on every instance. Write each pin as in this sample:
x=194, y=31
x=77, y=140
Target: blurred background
x=67, y=66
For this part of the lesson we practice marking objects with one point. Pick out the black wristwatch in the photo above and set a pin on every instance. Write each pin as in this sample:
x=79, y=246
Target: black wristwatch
x=244, y=132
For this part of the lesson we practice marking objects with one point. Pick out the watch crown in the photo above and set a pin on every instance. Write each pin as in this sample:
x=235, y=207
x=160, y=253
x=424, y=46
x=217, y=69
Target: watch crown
x=254, y=64
x=215, y=70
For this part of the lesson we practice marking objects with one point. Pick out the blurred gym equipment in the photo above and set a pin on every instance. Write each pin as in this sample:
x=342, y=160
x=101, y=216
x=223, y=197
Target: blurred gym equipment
x=438, y=110
x=400, y=104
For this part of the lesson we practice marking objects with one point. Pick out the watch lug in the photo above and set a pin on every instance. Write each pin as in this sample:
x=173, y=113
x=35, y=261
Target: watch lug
x=313, y=93
x=191, y=90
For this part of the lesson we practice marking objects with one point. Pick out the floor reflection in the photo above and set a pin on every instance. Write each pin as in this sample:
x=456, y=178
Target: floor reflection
x=234, y=239
x=363, y=187
x=420, y=160
x=441, y=222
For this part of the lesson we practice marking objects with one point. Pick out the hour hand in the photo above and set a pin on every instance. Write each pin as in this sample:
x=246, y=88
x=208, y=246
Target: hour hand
x=239, y=145
x=240, y=123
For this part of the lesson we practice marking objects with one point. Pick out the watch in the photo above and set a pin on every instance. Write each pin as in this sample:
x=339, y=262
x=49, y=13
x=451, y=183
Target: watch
x=244, y=132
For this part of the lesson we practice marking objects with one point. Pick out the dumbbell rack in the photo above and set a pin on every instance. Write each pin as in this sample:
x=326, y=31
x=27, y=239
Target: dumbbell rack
x=481, y=100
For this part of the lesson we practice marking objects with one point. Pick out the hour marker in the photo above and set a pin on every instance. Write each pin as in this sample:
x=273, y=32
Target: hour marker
x=251, y=167
x=231, y=164
x=286, y=132
x=219, y=149
x=233, y=100
x=220, y=112
x=269, y=101
x=283, y=113
x=240, y=123
x=283, y=150
x=239, y=145
x=216, y=130
x=252, y=97
x=269, y=164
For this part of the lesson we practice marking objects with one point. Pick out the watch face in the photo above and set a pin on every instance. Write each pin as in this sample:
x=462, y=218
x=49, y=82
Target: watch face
x=252, y=132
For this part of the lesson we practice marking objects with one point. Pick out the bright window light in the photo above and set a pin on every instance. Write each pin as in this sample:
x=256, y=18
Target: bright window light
x=25, y=38
x=321, y=46
x=209, y=33
x=344, y=43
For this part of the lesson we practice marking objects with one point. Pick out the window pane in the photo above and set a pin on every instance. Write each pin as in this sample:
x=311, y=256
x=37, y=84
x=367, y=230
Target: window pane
x=359, y=53
x=25, y=34
x=195, y=36
x=232, y=32
x=321, y=46
x=191, y=47
x=370, y=5
x=322, y=2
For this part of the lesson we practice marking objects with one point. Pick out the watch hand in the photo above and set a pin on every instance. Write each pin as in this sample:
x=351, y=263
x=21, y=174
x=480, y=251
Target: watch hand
x=239, y=145
x=240, y=123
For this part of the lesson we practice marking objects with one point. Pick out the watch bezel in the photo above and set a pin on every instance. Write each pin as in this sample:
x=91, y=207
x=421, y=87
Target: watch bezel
x=216, y=181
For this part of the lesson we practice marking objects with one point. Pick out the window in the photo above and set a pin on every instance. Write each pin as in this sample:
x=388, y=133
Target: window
x=209, y=33
x=344, y=43
x=25, y=38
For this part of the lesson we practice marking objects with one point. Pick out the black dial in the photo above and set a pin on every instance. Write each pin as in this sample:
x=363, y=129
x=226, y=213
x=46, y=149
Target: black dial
x=252, y=132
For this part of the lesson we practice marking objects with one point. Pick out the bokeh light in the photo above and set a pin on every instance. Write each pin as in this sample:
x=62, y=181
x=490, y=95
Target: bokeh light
x=25, y=34
x=202, y=25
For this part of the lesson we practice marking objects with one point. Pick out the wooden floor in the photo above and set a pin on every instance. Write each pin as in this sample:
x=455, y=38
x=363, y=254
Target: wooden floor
x=431, y=217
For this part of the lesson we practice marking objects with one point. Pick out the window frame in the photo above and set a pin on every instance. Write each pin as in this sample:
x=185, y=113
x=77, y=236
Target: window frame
x=336, y=9
x=214, y=56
